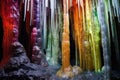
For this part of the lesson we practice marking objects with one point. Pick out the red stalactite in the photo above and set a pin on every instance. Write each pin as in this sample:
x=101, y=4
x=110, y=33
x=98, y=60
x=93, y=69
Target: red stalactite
x=28, y=27
x=33, y=36
x=10, y=17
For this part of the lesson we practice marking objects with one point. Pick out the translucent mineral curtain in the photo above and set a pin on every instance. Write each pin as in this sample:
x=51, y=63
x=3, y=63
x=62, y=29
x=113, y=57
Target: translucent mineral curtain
x=91, y=24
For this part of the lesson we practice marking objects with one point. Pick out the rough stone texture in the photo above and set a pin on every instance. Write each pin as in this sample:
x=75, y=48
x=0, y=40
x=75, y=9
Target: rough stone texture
x=19, y=65
x=20, y=68
x=38, y=57
x=115, y=75
x=84, y=76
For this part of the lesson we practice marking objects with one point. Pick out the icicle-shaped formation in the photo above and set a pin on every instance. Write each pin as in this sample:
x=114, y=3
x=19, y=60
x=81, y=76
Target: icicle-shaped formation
x=66, y=69
x=36, y=14
x=53, y=47
x=43, y=23
x=33, y=17
x=44, y=2
x=85, y=46
x=116, y=6
x=53, y=32
x=107, y=23
x=105, y=42
x=37, y=33
x=50, y=27
x=27, y=18
x=113, y=29
x=25, y=8
x=49, y=36
x=78, y=31
x=28, y=14
x=88, y=43
x=55, y=35
x=85, y=30
x=31, y=9
x=95, y=38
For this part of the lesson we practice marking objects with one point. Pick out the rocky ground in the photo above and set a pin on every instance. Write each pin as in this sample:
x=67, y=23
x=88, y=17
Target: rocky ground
x=20, y=68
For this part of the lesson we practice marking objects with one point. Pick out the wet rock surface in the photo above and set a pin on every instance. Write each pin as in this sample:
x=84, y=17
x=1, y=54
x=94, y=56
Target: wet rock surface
x=115, y=75
x=20, y=68
x=84, y=76
x=38, y=57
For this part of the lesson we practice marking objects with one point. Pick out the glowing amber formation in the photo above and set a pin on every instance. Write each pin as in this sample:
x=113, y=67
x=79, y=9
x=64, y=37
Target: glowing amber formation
x=66, y=70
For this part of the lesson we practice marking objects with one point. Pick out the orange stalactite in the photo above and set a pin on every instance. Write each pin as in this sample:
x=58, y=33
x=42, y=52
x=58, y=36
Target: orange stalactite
x=65, y=39
x=78, y=25
x=80, y=32
x=66, y=44
x=66, y=69
x=81, y=38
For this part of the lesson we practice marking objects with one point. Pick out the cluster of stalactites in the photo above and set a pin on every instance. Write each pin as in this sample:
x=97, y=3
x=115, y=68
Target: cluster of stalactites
x=34, y=22
x=86, y=30
x=89, y=21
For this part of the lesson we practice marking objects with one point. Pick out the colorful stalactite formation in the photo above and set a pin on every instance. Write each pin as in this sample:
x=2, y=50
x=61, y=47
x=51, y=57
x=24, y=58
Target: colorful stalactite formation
x=86, y=34
x=66, y=69
x=10, y=18
x=53, y=33
x=105, y=38
x=48, y=24
x=32, y=17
